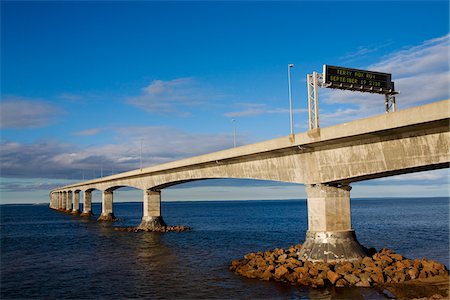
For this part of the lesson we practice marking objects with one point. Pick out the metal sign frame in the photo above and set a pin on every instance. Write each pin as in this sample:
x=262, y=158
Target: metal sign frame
x=316, y=80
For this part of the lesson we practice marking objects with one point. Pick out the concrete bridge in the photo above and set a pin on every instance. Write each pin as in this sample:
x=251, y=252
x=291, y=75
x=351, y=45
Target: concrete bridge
x=326, y=160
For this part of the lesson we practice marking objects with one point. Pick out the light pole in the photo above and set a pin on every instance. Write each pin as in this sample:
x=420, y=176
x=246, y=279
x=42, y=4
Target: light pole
x=290, y=97
x=234, y=132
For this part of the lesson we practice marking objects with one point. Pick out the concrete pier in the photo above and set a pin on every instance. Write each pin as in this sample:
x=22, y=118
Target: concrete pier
x=76, y=203
x=107, y=207
x=330, y=237
x=87, y=207
x=152, y=218
x=69, y=201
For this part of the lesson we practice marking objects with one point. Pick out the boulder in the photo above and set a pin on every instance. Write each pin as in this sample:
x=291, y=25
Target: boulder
x=332, y=276
x=280, y=272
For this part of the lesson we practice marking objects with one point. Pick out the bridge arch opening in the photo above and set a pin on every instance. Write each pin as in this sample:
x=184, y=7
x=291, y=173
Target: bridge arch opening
x=210, y=189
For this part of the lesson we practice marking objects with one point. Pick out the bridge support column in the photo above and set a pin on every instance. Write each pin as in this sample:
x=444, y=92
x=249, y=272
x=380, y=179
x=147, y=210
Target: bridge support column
x=62, y=203
x=87, y=206
x=330, y=237
x=69, y=201
x=152, y=218
x=58, y=200
x=76, y=203
x=107, y=207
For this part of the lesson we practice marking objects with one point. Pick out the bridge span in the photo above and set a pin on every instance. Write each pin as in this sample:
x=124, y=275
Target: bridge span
x=326, y=160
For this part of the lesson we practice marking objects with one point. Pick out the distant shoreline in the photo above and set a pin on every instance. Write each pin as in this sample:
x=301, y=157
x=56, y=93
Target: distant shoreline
x=248, y=200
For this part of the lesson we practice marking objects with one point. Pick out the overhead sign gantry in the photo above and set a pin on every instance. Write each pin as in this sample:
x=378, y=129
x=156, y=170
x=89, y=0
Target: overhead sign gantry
x=348, y=79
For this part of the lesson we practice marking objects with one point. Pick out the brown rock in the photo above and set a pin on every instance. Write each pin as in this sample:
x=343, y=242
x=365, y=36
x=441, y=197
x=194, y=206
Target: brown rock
x=413, y=273
x=423, y=274
x=368, y=261
x=291, y=277
x=280, y=272
x=396, y=256
x=317, y=282
x=342, y=283
x=304, y=280
x=282, y=258
x=363, y=283
x=399, y=265
x=399, y=277
x=267, y=275
x=301, y=270
x=332, y=276
x=351, y=279
x=387, y=259
x=313, y=271
x=343, y=268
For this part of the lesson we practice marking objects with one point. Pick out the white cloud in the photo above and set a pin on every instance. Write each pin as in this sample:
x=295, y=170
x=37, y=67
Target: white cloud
x=432, y=176
x=421, y=74
x=17, y=112
x=159, y=145
x=171, y=97
x=88, y=132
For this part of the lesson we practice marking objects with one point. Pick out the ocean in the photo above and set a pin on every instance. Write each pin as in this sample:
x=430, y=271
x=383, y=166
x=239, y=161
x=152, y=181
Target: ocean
x=46, y=254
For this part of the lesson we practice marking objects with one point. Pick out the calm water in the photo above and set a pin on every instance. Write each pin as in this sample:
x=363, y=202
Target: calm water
x=49, y=255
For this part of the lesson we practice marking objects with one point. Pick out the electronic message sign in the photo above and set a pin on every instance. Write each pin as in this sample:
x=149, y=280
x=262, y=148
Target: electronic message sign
x=358, y=80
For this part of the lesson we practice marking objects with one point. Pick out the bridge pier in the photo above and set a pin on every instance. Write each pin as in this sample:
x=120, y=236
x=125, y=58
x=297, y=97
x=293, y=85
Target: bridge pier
x=107, y=207
x=76, y=203
x=69, y=201
x=330, y=237
x=59, y=201
x=152, y=218
x=87, y=206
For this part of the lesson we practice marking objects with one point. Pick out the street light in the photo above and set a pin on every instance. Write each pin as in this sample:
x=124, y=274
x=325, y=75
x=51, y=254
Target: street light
x=234, y=132
x=290, y=97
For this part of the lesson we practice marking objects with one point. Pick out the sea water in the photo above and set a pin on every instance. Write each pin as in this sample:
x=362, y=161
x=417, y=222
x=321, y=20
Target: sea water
x=47, y=254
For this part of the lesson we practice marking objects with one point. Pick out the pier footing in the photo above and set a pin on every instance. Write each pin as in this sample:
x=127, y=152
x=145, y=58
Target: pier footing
x=107, y=217
x=86, y=214
x=334, y=246
x=152, y=223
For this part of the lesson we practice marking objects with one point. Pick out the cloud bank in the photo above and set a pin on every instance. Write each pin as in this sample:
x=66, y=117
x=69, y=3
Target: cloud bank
x=176, y=96
x=19, y=113
x=421, y=74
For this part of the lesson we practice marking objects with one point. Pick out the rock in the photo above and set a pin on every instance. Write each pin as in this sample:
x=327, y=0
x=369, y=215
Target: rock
x=351, y=279
x=384, y=267
x=363, y=283
x=291, y=277
x=396, y=256
x=313, y=271
x=368, y=261
x=423, y=274
x=280, y=272
x=317, y=282
x=301, y=270
x=399, y=265
x=343, y=268
x=413, y=273
x=282, y=258
x=342, y=283
x=332, y=276
x=267, y=275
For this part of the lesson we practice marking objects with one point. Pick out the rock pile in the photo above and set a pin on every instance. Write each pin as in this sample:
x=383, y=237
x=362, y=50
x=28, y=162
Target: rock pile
x=383, y=267
x=177, y=228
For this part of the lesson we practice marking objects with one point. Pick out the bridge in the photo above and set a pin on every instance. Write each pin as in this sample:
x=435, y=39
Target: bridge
x=326, y=160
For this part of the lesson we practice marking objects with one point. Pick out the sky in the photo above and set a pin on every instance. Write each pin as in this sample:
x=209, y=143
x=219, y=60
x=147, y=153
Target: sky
x=84, y=84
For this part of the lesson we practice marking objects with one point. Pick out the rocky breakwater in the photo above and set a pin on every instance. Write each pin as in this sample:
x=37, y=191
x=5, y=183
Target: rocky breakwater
x=383, y=268
x=177, y=228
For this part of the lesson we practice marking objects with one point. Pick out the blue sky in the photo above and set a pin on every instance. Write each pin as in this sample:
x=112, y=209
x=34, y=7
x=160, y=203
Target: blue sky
x=83, y=83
